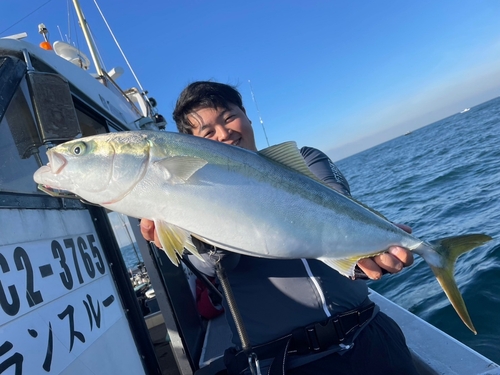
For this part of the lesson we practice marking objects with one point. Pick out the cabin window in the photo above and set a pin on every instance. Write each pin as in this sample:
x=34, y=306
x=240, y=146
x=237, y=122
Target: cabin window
x=22, y=150
x=21, y=153
x=89, y=125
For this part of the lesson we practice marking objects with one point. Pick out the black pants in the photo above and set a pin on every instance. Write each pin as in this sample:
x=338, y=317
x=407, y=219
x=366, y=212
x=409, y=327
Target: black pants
x=380, y=349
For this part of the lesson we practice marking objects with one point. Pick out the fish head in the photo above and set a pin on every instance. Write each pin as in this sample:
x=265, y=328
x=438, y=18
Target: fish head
x=101, y=169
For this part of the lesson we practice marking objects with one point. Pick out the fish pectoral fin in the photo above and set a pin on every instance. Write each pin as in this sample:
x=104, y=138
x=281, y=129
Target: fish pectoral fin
x=174, y=240
x=344, y=266
x=181, y=168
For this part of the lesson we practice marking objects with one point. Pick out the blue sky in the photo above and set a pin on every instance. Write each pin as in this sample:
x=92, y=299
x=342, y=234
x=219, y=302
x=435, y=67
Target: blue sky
x=338, y=75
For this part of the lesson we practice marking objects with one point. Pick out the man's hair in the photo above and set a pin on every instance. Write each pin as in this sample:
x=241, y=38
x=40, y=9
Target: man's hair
x=203, y=94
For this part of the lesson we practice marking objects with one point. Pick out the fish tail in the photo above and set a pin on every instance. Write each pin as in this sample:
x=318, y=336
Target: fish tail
x=448, y=250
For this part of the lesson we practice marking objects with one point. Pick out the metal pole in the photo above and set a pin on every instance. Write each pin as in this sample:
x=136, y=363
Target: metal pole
x=86, y=33
x=253, y=361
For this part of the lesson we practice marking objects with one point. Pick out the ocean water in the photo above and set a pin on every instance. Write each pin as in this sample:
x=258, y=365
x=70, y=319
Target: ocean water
x=131, y=255
x=442, y=180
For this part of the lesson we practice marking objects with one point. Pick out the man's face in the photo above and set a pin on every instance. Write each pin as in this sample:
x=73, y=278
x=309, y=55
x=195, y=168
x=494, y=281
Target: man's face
x=230, y=126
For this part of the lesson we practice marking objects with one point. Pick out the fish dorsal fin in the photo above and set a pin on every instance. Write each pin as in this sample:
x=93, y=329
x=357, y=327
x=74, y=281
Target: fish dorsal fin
x=289, y=155
x=174, y=240
x=181, y=168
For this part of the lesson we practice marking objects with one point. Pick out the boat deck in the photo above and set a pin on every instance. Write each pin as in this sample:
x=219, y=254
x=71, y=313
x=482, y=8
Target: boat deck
x=434, y=352
x=161, y=343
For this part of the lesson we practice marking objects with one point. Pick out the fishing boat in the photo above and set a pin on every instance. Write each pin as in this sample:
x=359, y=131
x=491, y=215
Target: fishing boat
x=67, y=303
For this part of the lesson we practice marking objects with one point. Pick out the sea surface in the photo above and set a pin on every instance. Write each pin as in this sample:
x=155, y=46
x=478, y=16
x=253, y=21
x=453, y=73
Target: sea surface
x=442, y=180
x=131, y=255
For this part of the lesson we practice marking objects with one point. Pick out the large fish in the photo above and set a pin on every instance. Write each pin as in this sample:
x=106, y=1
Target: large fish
x=266, y=204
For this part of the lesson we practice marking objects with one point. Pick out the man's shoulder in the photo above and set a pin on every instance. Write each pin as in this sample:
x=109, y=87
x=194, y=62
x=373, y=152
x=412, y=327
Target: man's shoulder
x=311, y=152
x=325, y=169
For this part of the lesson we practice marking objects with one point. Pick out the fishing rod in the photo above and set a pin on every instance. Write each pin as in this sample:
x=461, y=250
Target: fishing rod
x=260, y=117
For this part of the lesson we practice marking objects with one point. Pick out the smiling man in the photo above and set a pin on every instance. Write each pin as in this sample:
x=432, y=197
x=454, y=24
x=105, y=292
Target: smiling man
x=282, y=301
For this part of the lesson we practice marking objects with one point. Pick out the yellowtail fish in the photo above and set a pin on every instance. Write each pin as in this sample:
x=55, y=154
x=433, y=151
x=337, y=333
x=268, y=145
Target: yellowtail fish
x=265, y=204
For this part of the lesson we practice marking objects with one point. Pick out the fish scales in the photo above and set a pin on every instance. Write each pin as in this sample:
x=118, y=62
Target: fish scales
x=279, y=205
x=265, y=204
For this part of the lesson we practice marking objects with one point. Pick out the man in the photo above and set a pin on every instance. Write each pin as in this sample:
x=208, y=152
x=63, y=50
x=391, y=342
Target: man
x=285, y=305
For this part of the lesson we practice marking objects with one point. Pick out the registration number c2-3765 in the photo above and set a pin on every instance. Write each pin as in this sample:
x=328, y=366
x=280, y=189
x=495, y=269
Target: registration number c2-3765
x=56, y=298
x=83, y=256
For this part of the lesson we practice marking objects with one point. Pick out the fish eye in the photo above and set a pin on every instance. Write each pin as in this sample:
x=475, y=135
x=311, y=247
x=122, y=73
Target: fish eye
x=79, y=148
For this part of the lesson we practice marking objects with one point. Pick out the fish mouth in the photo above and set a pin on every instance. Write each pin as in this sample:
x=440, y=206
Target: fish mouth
x=57, y=192
x=42, y=176
x=56, y=162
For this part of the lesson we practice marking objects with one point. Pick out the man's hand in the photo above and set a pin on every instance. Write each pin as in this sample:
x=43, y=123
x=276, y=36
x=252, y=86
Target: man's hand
x=148, y=231
x=392, y=261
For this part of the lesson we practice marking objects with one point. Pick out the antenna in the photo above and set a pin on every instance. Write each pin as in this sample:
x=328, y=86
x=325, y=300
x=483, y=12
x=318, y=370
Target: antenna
x=58, y=28
x=260, y=118
x=118, y=45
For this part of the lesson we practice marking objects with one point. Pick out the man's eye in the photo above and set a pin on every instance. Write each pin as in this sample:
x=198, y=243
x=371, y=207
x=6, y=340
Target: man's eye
x=209, y=134
x=230, y=118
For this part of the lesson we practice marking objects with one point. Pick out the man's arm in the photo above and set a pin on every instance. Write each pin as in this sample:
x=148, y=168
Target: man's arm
x=391, y=261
